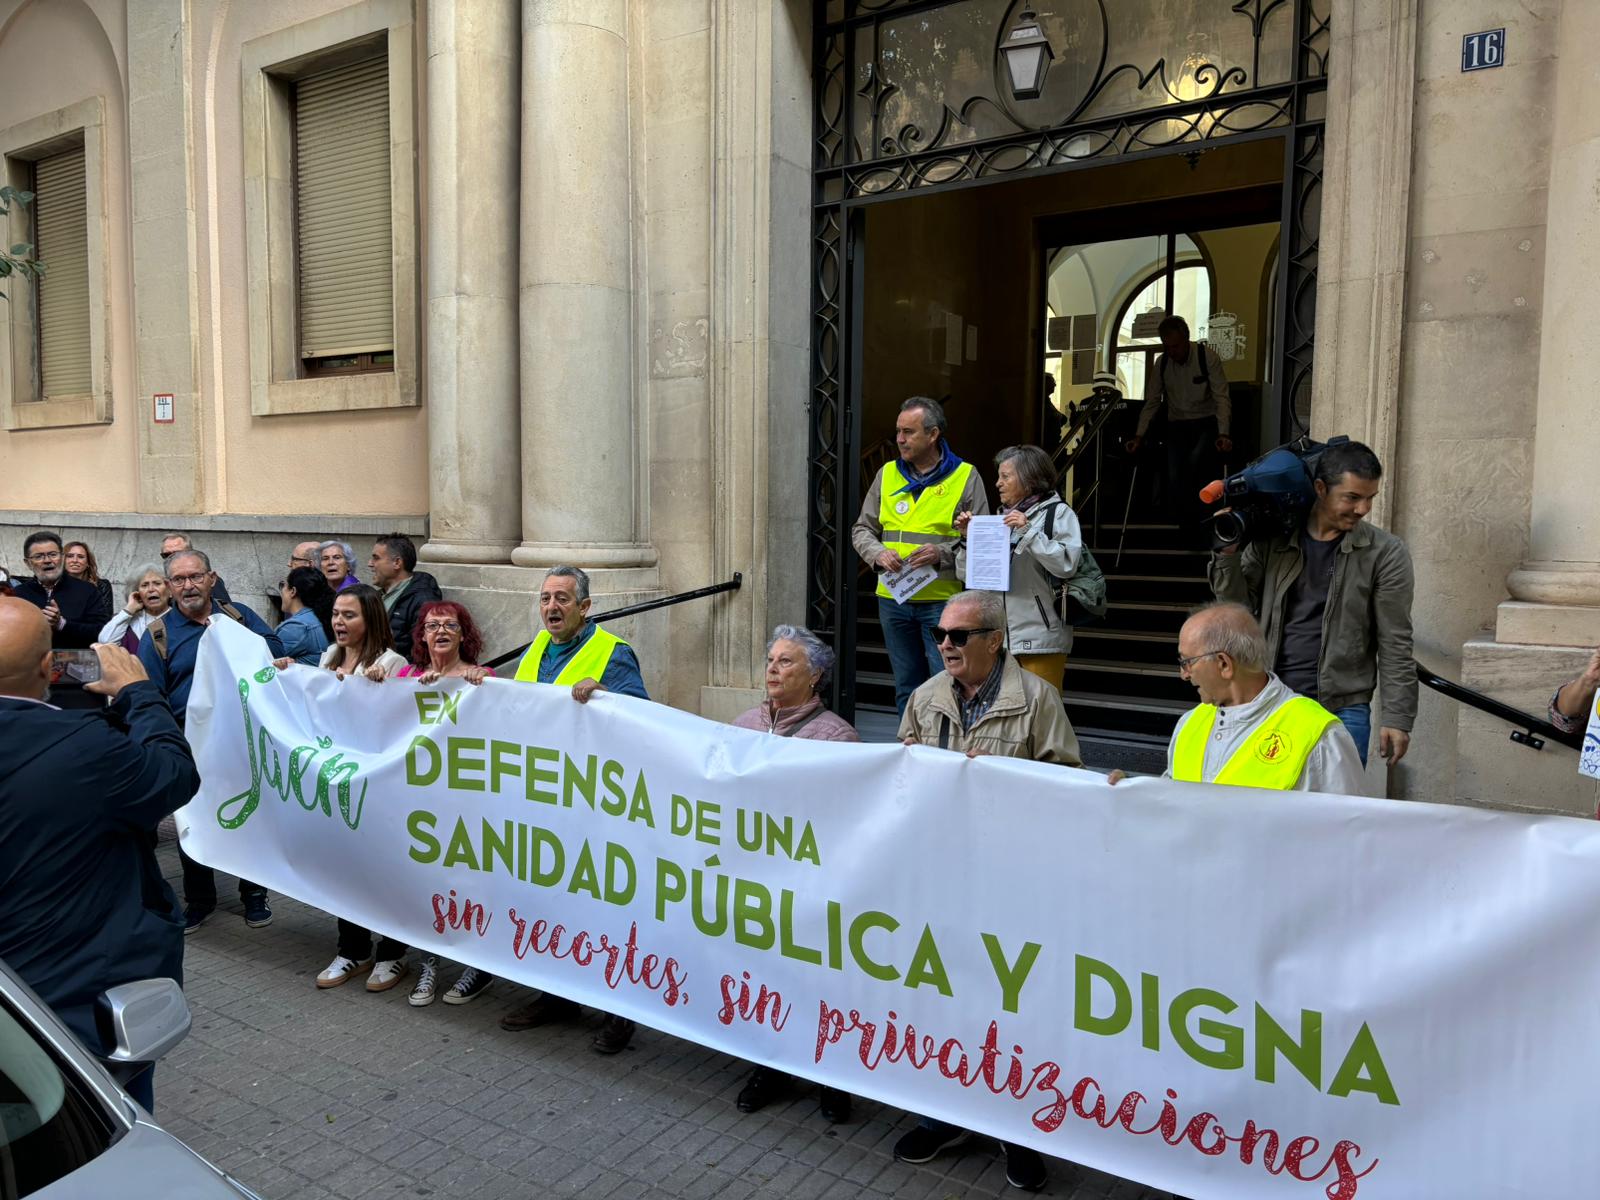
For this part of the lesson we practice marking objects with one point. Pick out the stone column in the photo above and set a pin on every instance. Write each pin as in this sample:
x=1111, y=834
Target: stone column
x=1564, y=535
x=581, y=480
x=163, y=236
x=1366, y=198
x=760, y=334
x=473, y=405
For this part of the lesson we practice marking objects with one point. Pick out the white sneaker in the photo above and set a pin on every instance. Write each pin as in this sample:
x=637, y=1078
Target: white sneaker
x=427, y=983
x=340, y=970
x=386, y=974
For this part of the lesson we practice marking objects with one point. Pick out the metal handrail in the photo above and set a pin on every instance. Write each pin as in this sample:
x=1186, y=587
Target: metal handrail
x=628, y=610
x=1087, y=422
x=1533, y=731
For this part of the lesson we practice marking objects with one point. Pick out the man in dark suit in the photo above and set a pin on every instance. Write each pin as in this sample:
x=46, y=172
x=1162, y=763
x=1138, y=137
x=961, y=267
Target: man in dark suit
x=73, y=608
x=83, y=906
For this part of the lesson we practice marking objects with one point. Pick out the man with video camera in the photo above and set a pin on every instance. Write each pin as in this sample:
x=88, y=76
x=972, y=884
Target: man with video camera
x=1334, y=599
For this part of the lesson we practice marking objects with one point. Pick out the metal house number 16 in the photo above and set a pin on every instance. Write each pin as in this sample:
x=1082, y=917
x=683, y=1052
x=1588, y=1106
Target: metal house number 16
x=1480, y=51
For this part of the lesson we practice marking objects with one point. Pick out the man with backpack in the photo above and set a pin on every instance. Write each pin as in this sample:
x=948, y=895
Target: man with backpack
x=168, y=651
x=1188, y=378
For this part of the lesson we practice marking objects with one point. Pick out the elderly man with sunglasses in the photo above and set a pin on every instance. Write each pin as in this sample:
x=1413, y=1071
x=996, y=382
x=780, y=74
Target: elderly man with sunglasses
x=1250, y=729
x=983, y=703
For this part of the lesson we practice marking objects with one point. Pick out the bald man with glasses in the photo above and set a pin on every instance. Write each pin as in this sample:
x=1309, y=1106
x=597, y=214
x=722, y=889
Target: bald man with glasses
x=1250, y=729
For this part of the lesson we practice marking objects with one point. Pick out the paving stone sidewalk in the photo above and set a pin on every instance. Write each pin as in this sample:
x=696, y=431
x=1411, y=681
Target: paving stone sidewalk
x=305, y=1094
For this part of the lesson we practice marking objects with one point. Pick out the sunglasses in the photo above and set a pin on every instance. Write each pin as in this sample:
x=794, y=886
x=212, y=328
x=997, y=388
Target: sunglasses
x=958, y=637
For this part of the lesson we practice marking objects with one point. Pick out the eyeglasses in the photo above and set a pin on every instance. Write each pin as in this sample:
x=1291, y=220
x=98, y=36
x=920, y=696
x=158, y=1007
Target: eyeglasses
x=297, y=561
x=45, y=556
x=1185, y=663
x=440, y=627
x=958, y=637
x=183, y=580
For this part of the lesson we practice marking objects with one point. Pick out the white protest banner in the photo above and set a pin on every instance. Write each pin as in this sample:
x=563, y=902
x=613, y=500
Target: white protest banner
x=1589, y=756
x=1221, y=992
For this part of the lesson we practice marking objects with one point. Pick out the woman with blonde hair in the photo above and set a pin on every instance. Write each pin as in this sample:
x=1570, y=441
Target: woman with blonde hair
x=78, y=560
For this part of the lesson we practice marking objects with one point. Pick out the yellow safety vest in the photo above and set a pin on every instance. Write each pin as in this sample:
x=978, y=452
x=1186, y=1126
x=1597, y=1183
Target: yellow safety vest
x=1274, y=756
x=909, y=524
x=588, y=663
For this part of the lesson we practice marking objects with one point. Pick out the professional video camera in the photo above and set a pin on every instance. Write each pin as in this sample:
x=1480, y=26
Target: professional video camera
x=1271, y=495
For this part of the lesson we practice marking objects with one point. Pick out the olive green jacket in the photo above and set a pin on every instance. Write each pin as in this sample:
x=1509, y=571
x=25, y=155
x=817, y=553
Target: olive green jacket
x=1366, y=627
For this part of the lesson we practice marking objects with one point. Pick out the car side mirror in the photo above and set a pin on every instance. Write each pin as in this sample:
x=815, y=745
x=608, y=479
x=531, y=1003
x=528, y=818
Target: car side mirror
x=148, y=1018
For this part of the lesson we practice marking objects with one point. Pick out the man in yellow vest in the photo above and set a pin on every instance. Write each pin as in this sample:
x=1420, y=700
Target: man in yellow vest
x=1250, y=730
x=572, y=651
x=907, y=521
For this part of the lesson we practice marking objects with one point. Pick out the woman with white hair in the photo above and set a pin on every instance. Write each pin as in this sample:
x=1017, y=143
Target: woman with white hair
x=149, y=599
x=337, y=562
x=798, y=666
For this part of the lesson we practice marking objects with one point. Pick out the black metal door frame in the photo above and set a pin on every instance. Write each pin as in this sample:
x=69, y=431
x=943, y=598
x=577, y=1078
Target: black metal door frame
x=844, y=183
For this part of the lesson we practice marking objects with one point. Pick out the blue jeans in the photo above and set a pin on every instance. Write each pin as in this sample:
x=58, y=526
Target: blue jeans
x=913, y=657
x=1358, y=720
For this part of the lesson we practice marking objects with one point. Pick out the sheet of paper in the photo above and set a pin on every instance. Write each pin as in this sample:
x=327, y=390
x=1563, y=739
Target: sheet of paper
x=1589, y=756
x=989, y=555
x=908, y=581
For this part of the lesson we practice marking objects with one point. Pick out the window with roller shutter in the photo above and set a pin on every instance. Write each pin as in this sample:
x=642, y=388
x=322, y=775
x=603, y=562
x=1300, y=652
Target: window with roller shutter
x=61, y=241
x=344, y=249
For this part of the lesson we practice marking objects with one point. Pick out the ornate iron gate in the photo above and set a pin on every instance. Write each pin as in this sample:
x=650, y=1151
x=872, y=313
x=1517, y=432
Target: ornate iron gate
x=911, y=96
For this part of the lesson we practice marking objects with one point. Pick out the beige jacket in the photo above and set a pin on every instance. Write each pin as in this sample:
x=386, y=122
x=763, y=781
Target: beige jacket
x=1026, y=719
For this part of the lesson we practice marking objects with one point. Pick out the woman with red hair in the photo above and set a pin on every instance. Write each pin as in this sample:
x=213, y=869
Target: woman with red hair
x=445, y=643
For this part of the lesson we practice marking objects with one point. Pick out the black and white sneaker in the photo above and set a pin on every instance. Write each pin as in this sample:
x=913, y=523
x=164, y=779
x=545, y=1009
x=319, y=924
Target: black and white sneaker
x=427, y=988
x=468, y=987
x=923, y=1144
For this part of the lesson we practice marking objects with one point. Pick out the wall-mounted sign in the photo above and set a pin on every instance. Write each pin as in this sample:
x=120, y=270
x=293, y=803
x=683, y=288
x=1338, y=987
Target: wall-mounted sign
x=1148, y=323
x=163, y=408
x=1480, y=51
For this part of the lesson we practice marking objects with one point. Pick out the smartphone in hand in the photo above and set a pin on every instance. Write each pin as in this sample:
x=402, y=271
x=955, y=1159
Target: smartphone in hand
x=74, y=666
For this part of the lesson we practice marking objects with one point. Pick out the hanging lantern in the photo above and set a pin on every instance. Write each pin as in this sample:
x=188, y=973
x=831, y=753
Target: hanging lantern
x=1027, y=53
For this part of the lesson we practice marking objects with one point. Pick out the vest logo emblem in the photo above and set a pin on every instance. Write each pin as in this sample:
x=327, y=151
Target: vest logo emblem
x=1273, y=748
x=903, y=507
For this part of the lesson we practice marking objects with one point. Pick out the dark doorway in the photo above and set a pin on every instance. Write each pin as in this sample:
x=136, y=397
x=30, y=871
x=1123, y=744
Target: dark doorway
x=1003, y=301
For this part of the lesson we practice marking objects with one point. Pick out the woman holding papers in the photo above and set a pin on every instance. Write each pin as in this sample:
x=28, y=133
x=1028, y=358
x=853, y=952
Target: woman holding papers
x=1046, y=544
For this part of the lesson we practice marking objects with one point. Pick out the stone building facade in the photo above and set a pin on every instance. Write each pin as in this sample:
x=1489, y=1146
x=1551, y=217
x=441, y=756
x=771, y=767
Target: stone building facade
x=614, y=259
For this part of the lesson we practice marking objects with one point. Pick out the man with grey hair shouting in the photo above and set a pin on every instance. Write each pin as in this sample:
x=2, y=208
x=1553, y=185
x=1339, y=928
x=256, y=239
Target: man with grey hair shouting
x=1250, y=729
x=573, y=651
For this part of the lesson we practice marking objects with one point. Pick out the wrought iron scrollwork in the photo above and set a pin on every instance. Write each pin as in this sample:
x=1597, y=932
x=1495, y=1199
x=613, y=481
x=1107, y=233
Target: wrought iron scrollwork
x=895, y=114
